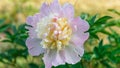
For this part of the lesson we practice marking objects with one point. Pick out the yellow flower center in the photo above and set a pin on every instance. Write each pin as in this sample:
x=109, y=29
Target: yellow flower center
x=54, y=32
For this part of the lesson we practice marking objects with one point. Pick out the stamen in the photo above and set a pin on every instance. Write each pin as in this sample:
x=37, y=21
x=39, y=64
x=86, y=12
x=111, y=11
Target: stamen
x=57, y=33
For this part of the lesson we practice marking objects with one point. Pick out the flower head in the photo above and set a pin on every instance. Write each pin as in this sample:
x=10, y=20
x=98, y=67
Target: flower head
x=57, y=33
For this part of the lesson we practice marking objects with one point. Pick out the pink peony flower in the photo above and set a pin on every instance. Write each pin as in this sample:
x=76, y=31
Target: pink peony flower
x=57, y=34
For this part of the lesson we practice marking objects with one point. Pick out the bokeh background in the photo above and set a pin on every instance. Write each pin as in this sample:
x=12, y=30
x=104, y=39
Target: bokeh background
x=15, y=12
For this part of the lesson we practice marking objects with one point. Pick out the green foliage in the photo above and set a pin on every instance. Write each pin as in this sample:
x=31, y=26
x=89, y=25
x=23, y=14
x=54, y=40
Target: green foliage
x=3, y=26
x=16, y=35
x=114, y=11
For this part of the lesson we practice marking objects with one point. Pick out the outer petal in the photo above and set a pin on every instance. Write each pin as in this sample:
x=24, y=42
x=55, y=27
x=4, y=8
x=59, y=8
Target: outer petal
x=78, y=49
x=29, y=20
x=79, y=39
x=53, y=58
x=32, y=21
x=34, y=47
x=48, y=58
x=59, y=59
x=55, y=6
x=68, y=11
x=71, y=56
x=79, y=28
x=79, y=25
x=32, y=33
x=47, y=9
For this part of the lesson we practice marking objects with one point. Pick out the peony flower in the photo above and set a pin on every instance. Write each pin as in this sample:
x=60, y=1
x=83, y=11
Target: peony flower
x=57, y=34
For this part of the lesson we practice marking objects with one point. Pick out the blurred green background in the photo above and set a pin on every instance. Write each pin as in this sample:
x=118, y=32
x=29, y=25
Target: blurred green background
x=102, y=49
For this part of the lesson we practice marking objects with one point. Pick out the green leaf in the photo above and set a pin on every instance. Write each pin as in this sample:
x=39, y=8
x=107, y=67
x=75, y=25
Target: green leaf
x=87, y=56
x=84, y=16
x=33, y=65
x=102, y=20
x=114, y=11
x=6, y=41
x=93, y=35
x=14, y=29
x=105, y=32
x=22, y=27
x=78, y=65
x=100, y=43
x=8, y=35
x=116, y=51
x=99, y=51
x=2, y=21
x=106, y=64
x=4, y=27
x=96, y=52
x=92, y=20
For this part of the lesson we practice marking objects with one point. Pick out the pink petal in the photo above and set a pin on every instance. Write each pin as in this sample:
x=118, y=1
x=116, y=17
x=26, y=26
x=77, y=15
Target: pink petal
x=78, y=49
x=48, y=58
x=45, y=9
x=55, y=7
x=29, y=20
x=33, y=20
x=32, y=33
x=59, y=59
x=68, y=11
x=71, y=56
x=53, y=58
x=79, y=39
x=79, y=25
x=34, y=46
